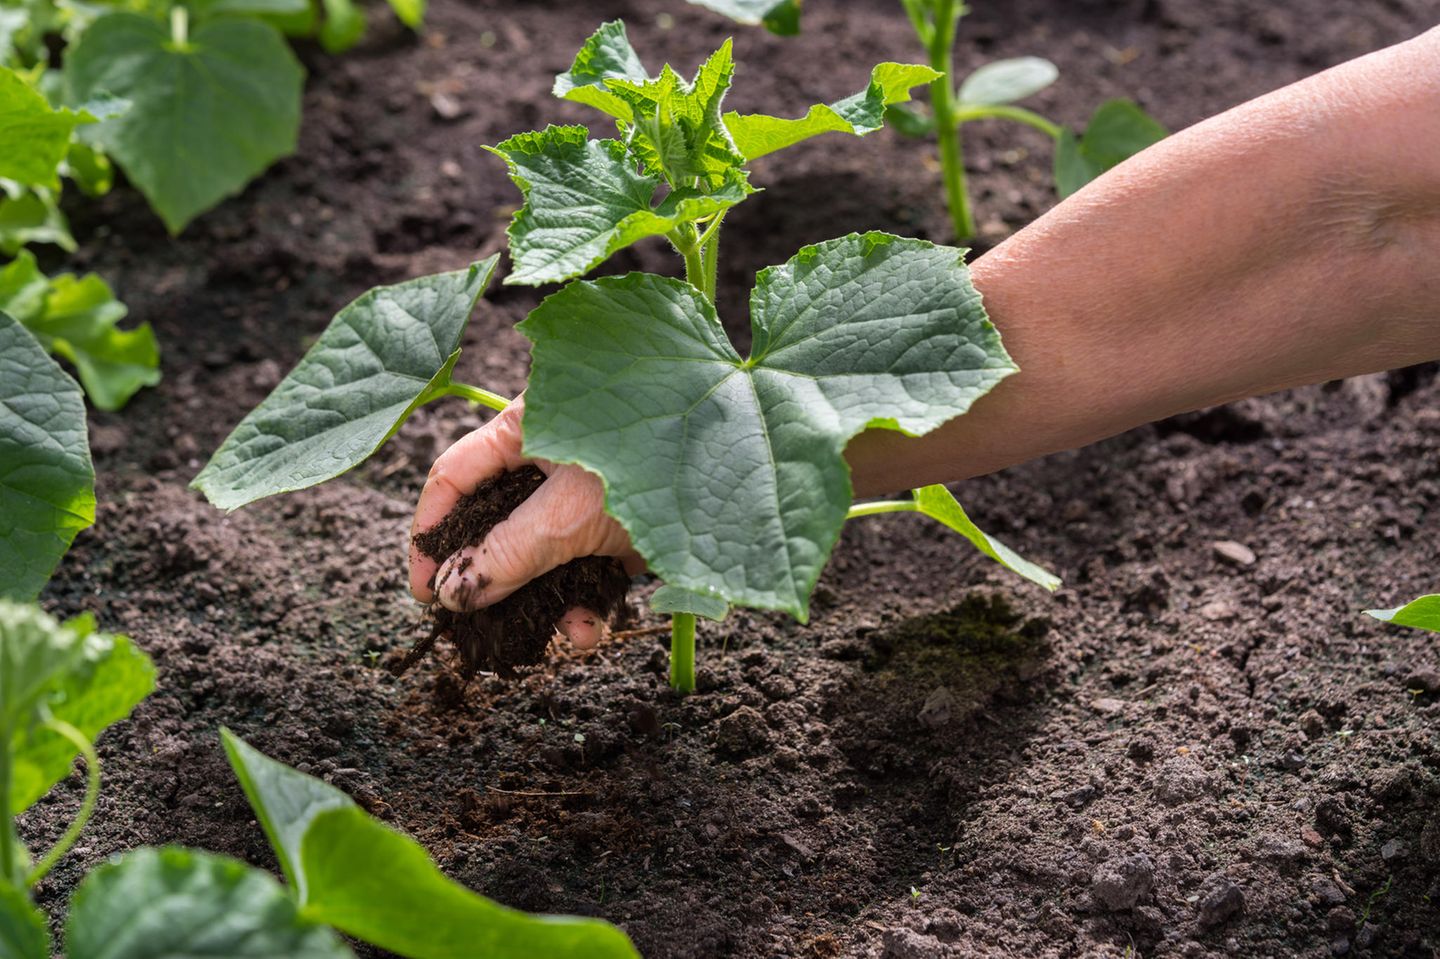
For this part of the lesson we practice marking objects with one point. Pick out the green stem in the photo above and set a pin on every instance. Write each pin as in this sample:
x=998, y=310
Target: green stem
x=8, y=852
x=682, y=652
x=477, y=394
x=87, y=805
x=881, y=506
x=1018, y=114
x=179, y=27
x=710, y=258
x=952, y=158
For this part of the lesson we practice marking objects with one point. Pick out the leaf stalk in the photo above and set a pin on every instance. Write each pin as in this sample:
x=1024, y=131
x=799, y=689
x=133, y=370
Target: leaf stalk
x=87, y=805
x=1006, y=112
x=682, y=652
x=477, y=394
x=882, y=506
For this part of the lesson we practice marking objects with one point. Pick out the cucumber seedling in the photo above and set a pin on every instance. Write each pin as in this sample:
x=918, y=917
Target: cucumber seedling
x=727, y=471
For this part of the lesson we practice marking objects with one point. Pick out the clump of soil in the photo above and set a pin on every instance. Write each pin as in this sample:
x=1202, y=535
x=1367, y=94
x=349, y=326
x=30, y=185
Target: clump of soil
x=515, y=631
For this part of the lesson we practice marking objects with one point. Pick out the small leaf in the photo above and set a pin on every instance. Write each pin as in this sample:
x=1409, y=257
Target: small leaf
x=33, y=136
x=31, y=215
x=380, y=358
x=1005, y=81
x=939, y=504
x=669, y=600
x=285, y=801
x=294, y=18
x=1422, y=613
x=170, y=903
x=780, y=17
x=80, y=323
x=47, y=484
x=757, y=134
x=606, y=55
x=88, y=679
x=23, y=288
x=23, y=930
x=205, y=118
x=410, y=12
x=381, y=887
x=727, y=472
x=584, y=200
x=344, y=25
x=1117, y=130
x=89, y=167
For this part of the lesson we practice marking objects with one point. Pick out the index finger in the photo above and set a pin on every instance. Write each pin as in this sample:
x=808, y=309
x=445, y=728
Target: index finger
x=474, y=458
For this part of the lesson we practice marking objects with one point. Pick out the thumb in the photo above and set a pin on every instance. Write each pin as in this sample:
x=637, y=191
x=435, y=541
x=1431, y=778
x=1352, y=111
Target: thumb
x=508, y=558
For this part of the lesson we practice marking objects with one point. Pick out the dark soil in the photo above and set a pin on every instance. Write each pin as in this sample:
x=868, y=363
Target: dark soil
x=516, y=631
x=1176, y=755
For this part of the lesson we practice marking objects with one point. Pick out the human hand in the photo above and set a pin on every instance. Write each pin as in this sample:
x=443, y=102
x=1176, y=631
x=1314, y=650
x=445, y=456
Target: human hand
x=562, y=520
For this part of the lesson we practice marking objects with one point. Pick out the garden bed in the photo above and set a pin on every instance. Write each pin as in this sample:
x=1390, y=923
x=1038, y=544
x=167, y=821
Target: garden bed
x=1179, y=753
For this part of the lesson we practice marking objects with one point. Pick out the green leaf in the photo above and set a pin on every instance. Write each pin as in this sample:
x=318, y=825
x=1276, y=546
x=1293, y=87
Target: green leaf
x=294, y=18
x=23, y=931
x=669, y=600
x=31, y=215
x=344, y=25
x=606, y=55
x=33, y=137
x=89, y=167
x=369, y=881
x=47, y=484
x=173, y=903
x=939, y=504
x=382, y=356
x=205, y=117
x=584, y=200
x=1118, y=129
x=23, y=288
x=1422, y=613
x=410, y=12
x=79, y=323
x=88, y=679
x=1005, y=81
x=757, y=134
x=781, y=17
x=379, y=886
x=728, y=472
x=285, y=801
x=909, y=121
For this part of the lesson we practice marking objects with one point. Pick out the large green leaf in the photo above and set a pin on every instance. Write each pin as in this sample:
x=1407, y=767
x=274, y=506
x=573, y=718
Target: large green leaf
x=206, y=115
x=669, y=600
x=285, y=802
x=88, y=679
x=1422, y=613
x=1117, y=130
x=76, y=318
x=23, y=932
x=382, y=356
x=1005, y=81
x=758, y=134
x=940, y=504
x=373, y=883
x=780, y=17
x=34, y=137
x=31, y=215
x=180, y=904
x=47, y=484
x=584, y=200
x=728, y=472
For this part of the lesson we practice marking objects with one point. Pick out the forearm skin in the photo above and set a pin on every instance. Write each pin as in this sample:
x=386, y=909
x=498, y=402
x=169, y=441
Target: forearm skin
x=1293, y=239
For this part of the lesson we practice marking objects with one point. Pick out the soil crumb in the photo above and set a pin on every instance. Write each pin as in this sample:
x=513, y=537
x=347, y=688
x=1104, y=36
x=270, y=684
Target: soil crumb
x=517, y=630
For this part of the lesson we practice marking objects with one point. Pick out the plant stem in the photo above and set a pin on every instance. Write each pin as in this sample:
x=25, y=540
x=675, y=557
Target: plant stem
x=882, y=506
x=87, y=805
x=952, y=158
x=682, y=652
x=7, y=819
x=477, y=394
x=1018, y=114
x=179, y=27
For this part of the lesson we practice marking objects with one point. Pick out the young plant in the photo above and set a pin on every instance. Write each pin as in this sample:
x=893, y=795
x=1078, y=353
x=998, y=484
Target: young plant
x=1422, y=613
x=1117, y=130
x=726, y=471
x=61, y=685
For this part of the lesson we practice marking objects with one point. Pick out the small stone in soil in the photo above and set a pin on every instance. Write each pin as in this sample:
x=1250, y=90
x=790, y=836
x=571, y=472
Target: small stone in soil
x=1219, y=900
x=1120, y=884
x=1229, y=551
